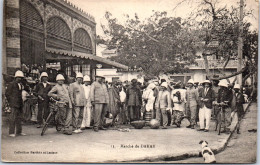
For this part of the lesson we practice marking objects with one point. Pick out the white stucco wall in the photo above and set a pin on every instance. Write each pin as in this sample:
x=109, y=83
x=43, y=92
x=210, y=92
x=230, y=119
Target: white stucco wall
x=123, y=76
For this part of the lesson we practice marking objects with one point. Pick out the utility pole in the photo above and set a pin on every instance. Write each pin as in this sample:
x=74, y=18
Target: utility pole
x=240, y=42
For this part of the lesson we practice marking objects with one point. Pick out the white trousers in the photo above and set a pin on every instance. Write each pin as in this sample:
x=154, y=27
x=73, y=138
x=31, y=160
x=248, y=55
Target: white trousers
x=86, y=117
x=204, y=113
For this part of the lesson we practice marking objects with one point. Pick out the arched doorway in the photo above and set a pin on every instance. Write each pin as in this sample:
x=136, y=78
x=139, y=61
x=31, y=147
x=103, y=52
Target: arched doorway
x=32, y=34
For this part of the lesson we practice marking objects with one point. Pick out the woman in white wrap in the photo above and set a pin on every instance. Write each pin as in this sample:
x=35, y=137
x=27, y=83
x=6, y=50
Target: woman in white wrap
x=148, y=97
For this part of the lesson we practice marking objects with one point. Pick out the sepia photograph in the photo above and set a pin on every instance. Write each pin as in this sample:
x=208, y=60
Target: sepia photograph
x=129, y=81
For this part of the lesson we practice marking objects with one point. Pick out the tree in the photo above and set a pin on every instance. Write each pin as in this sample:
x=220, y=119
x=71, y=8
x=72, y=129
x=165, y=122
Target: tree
x=159, y=44
x=220, y=27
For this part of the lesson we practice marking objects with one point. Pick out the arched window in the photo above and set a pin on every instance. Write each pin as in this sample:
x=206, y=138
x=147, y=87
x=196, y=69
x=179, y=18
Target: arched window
x=82, y=41
x=58, y=34
x=30, y=17
x=32, y=34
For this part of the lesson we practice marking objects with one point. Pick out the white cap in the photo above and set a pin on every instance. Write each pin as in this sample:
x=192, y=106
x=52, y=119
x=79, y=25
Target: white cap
x=236, y=86
x=60, y=77
x=223, y=83
x=190, y=81
x=86, y=78
x=206, y=81
x=164, y=84
x=79, y=75
x=18, y=74
x=44, y=74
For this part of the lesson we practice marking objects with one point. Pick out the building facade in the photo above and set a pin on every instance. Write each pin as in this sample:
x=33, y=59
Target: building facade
x=49, y=33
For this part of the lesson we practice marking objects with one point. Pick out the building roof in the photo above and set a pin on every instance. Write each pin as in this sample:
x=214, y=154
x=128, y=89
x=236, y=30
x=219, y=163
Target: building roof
x=85, y=56
x=77, y=9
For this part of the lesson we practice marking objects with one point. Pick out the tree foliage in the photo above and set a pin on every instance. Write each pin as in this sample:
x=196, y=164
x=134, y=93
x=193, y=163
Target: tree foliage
x=159, y=44
x=164, y=44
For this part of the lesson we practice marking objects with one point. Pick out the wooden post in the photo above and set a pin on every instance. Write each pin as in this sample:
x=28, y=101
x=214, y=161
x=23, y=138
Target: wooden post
x=240, y=42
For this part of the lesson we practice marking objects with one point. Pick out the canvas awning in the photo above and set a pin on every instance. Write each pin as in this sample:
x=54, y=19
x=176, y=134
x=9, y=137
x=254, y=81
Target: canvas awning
x=59, y=54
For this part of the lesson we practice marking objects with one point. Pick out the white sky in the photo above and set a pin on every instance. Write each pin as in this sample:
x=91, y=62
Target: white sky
x=143, y=8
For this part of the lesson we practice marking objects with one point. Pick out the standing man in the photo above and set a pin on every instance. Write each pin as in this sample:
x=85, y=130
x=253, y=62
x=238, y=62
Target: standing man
x=225, y=96
x=196, y=86
x=42, y=89
x=215, y=87
x=163, y=104
x=88, y=107
x=134, y=101
x=239, y=101
x=123, y=112
x=78, y=98
x=14, y=98
x=192, y=98
x=156, y=92
x=206, y=97
x=99, y=100
x=60, y=92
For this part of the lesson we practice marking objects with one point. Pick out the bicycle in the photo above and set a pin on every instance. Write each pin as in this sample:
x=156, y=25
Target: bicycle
x=220, y=116
x=54, y=107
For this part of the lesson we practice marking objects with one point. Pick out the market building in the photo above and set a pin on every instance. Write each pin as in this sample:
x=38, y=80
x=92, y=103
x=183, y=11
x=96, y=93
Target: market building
x=50, y=34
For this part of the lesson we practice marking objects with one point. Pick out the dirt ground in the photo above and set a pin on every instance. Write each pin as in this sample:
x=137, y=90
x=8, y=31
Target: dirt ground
x=242, y=148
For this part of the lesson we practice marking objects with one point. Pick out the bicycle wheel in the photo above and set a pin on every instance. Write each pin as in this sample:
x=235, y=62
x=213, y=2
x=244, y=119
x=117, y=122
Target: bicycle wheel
x=46, y=124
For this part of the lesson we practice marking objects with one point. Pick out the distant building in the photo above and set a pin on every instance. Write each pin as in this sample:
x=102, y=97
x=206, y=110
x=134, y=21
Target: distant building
x=114, y=74
x=196, y=72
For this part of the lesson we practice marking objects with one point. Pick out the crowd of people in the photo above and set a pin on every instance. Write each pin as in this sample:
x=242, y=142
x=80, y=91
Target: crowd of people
x=85, y=104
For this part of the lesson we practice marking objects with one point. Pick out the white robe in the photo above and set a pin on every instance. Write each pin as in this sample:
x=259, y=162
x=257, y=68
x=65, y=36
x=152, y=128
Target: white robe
x=87, y=109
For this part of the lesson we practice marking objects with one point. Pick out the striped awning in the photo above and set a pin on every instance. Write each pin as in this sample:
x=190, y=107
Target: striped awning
x=73, y=54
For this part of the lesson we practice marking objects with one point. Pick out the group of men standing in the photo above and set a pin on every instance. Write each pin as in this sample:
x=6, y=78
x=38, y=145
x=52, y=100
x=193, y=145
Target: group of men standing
x=196, y=103
x=74, y=102
x=81, y=101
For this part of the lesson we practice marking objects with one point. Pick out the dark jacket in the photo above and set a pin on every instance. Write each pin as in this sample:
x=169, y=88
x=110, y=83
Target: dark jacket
x=14, y=95
x=225, y=94
x=133, y=96
x=210, y=95
x=237, y=103
x=43, y=92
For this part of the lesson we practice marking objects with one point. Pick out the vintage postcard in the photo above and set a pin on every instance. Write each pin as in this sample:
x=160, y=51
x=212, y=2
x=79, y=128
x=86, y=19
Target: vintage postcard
x=137, y=81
